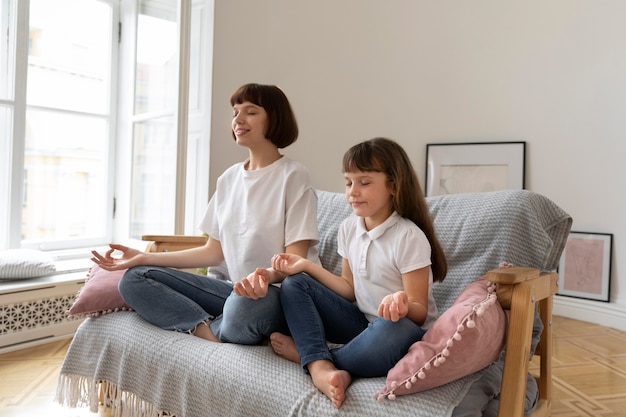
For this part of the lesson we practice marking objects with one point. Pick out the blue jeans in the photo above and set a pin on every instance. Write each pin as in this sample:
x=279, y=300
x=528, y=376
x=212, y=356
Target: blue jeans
x=315, y=315
x=176, y=300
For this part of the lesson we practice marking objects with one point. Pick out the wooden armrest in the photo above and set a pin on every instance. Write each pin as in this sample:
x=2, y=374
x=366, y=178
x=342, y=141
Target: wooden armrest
x=519, y=289
x=512, y=275
x=544, y=284
x=168, y=243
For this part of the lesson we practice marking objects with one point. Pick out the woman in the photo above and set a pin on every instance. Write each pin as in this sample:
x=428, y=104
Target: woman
x=262, y=206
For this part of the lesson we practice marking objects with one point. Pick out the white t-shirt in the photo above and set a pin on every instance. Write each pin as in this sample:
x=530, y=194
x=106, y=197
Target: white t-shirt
x=379, y=257
x=257, y=214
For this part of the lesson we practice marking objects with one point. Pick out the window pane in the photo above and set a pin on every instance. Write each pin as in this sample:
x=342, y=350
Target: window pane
x=154, y=177
x=157, y=60
x=69, y=55
x=66, y=195
x=7, y=48
x=154, y=134
x=64, y=177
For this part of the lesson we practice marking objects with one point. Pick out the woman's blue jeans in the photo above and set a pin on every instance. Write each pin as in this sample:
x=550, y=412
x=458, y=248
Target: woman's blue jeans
x=315, y=315
x=179, y=300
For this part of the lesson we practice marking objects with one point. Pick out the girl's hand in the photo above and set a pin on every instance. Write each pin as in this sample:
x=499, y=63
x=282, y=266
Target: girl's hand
x=394, y=306
x=254, y=285
x=130, y=257
x=288, y=263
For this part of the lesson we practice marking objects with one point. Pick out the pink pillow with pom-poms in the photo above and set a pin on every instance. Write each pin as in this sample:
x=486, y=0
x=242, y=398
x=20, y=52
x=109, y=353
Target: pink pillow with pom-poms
x=466, y=338
x=99, y=295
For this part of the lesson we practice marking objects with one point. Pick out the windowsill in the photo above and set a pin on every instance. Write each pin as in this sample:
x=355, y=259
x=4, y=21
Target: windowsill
x=74, y=260
x=73, y=265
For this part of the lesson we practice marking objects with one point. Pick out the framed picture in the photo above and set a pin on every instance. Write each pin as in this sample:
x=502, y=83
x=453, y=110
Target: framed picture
x=453, y=168
x=585, y=267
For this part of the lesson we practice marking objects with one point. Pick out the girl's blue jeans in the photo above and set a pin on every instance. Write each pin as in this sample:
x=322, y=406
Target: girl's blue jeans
x=315, y=315
x=179, y=300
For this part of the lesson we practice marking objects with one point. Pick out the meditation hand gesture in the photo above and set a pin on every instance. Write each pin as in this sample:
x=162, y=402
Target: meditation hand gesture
x=394, y=306
x=289, y=263
x=130, y=257
x=254, y=285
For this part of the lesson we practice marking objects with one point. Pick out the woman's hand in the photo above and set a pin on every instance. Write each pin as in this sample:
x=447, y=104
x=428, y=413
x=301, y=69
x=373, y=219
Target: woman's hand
x=289, y=263
x=130, y=257
x=254, y=285
x=394, y=306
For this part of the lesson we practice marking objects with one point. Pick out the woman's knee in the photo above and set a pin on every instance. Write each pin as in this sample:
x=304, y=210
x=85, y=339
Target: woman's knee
x=129, y=280
x=246, y=321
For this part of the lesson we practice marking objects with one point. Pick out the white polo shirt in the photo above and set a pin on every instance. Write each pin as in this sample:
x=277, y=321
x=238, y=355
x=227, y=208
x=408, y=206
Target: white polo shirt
x=379, y=257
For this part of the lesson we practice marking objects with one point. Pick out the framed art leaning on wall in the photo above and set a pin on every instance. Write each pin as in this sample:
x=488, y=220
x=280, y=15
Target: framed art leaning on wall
x=453, y=168
x=585, y=267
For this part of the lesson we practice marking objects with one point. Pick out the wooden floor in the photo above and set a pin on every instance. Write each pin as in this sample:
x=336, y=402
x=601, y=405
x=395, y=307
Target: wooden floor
x=589, y=375
x=589, y=370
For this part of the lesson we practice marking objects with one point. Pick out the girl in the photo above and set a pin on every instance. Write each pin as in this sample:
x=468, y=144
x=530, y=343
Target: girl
x=261, y=206
x=391, y=256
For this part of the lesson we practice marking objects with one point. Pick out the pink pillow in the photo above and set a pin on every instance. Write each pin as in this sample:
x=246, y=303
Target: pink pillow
x=465, y=339
x=99, y=295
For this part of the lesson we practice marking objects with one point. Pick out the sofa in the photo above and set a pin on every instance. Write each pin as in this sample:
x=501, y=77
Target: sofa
x=495, y=310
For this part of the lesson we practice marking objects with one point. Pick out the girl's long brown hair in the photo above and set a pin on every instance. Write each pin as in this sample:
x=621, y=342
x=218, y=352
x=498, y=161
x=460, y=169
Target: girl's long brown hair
x=386, y=156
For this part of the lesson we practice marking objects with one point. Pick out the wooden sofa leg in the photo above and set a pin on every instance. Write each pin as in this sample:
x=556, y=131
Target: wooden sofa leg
x=103, y=390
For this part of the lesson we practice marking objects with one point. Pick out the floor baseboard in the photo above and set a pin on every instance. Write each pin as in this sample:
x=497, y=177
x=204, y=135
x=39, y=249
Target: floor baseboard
x=605, y=314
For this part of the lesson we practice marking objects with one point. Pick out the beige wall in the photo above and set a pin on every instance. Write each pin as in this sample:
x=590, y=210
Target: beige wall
x=551, y=73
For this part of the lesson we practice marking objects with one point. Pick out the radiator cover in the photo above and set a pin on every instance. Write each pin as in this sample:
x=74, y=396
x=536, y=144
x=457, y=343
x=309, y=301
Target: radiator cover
x=33, y=311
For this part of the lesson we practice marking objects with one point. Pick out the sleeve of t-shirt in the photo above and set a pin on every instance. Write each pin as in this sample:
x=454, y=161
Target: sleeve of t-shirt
x=301, y=218
x=209, y=223
x=300, y=207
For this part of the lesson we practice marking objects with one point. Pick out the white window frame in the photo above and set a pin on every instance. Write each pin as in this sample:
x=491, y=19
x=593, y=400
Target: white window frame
x=193, y=171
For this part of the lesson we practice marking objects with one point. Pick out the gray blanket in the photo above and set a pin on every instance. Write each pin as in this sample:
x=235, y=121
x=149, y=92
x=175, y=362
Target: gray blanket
x=158, y=370
x=154, y=372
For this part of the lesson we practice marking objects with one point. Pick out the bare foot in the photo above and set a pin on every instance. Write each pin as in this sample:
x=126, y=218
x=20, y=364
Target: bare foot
x=284, y=347
x=203, y=331
x=331, y=381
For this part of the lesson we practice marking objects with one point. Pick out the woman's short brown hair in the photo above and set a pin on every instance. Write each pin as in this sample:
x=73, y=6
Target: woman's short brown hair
x=282, y=128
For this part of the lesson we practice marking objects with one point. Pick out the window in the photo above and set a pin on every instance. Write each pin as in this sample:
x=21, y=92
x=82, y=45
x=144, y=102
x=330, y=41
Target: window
x=89, y=141
x=155, y=137
x=57, y=163
x=154, y=120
